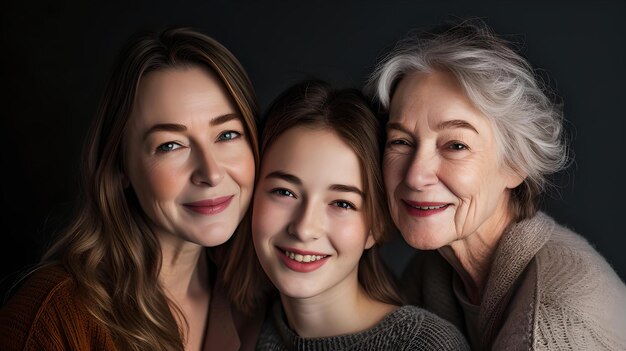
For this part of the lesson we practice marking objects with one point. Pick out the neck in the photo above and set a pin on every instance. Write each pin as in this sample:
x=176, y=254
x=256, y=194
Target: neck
x=471, y=256
x=184, y=270
x=343, y=309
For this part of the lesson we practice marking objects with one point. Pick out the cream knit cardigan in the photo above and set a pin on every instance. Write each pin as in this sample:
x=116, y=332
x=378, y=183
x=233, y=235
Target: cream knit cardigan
x=548, y=289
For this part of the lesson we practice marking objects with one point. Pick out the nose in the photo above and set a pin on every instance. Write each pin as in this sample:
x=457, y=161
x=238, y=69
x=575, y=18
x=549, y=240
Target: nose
x=208, y=170
x=307, y=224
x=421, y=171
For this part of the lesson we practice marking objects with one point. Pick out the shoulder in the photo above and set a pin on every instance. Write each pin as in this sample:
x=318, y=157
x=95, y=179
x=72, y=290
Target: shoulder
x=568, y=266
x=417, y=328
x=39, y=310
x=578, y=293
x=270, y=338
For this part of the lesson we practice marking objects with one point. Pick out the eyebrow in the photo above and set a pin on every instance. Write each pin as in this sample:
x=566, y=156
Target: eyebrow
x=223, y=119
x=284, y=176
x=295, y=180
x=456, y=123
x=347, y=189
x=164, y=127
x=174, y=127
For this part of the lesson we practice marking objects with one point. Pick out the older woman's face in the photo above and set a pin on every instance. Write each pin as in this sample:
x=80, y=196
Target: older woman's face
x=442, y=175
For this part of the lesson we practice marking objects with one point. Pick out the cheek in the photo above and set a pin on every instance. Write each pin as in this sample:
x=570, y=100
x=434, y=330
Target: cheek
x=241, y=168
x=349, y=235
x=267, y=218
x=465, y=181
x=156, y=181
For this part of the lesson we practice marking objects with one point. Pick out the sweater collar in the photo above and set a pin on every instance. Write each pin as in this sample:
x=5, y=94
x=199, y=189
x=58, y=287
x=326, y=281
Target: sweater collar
x=518, y=245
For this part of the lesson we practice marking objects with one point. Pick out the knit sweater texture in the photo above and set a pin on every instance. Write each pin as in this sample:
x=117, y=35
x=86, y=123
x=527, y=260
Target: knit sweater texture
x=407, y=328
x=47, y=314
x=547, y=289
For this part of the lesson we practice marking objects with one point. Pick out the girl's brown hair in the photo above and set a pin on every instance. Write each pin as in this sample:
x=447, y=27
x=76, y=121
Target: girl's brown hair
x=345, y=112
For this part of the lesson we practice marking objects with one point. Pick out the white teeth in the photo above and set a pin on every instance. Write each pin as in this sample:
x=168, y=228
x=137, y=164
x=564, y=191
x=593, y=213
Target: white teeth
x=428, y=207
x=303, y=258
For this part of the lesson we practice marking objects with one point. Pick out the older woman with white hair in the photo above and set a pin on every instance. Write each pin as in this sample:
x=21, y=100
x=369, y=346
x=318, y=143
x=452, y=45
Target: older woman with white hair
x=472, y=138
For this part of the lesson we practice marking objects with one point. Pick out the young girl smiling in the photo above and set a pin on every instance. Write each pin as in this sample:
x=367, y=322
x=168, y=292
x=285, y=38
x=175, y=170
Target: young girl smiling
x=318, y=217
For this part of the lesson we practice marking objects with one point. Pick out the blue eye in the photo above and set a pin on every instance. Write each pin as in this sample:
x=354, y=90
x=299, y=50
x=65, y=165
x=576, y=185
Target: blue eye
x=283, y=192
x=167, y=147
x=229, y=135
x=344, y=205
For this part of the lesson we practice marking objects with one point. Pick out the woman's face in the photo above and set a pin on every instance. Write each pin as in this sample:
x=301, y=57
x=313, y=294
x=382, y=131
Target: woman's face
x=309, y=222
x=187, y=157
x=442, y=174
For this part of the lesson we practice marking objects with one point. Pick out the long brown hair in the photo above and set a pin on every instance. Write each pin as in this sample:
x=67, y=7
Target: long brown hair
x=108, y=249
x=346, y=113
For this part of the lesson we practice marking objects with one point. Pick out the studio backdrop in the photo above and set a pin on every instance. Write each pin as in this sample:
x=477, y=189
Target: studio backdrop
x=56, y=57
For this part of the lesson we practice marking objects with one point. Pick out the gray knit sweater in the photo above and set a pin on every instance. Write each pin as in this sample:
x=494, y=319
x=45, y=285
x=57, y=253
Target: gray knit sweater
x=547, y=289
x=407, y=328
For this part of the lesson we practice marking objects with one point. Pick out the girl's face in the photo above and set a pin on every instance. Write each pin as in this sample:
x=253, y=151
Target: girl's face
x=309, y=222
x=187, y=157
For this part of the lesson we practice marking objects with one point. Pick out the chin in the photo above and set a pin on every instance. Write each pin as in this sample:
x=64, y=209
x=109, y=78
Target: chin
x=424, y=241
x=293, y=291
x=217, y=235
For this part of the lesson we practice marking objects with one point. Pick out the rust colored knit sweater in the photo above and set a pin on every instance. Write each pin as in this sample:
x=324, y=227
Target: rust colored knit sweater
x=46, y=314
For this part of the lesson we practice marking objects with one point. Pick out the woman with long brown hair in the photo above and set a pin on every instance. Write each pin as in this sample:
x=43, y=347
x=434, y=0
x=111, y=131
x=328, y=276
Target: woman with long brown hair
x=169, y=169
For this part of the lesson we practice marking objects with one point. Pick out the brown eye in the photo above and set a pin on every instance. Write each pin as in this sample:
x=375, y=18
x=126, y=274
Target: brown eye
x=344, y=205
x=457, y=146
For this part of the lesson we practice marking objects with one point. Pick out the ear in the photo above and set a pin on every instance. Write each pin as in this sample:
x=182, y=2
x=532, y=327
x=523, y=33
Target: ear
x=370, y=241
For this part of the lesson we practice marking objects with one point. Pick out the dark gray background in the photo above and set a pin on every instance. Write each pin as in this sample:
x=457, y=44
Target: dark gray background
x=57, y=55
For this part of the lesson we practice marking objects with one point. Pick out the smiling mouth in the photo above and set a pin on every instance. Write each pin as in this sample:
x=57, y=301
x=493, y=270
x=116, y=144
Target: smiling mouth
x=424, y=208
x=303, y=258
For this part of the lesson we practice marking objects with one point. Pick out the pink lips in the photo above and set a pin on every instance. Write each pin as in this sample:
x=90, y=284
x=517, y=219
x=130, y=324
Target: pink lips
x=427, y=208
x=302, y=267
x=210, y=206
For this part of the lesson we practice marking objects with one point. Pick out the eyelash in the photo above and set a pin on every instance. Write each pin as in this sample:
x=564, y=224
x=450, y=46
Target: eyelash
x=452, y=146
x=283, y=192
x=399, y=142
x=222, y=137
x=339, y=203
x=172, y=144
x=237, y=135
